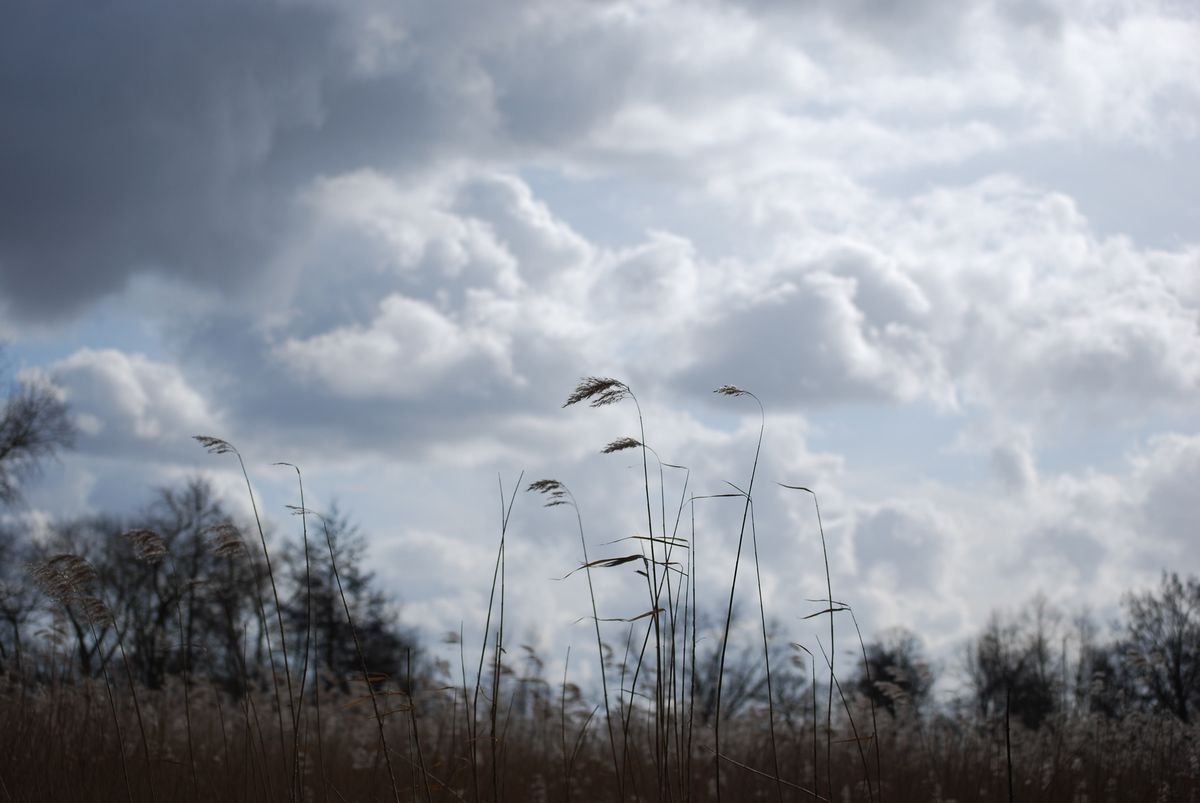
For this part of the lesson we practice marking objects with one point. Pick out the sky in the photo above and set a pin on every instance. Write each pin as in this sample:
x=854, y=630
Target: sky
x=952, y=247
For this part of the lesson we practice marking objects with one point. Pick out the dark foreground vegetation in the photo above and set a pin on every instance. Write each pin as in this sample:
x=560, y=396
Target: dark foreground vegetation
x=183, y=655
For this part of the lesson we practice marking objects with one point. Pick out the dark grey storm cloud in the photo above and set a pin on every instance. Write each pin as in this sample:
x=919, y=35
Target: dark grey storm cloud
x=172, y=137
x=136, y=135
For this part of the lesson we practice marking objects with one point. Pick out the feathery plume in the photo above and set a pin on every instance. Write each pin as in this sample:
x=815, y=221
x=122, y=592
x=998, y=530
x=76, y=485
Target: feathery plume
x=215, y=445
x=226, y=541
x=599, y=391
x=96, y=611
x=63, y=577
x=620, y=444
x=555, y=490
x=148, y=546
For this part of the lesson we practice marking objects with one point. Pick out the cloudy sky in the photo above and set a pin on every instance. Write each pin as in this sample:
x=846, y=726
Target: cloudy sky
x=953, y=248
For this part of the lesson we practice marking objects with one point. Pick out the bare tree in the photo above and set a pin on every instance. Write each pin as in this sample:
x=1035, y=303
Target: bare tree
x=1011, y=665
x=1163, y=644
x=34, y=425
x=19, y=600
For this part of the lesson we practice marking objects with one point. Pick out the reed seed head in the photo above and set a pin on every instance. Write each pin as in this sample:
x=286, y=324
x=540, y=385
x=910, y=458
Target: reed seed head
x=226, y=541
x=96, y=611
x=215, y=445
x=598, y=391
x=63, y=577
x=731, y=390
x=556, y=492
x=621, y=444
x=148, y=546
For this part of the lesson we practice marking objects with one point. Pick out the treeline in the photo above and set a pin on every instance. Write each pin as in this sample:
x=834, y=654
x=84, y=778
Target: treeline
x=181, y=587
x=206, y=606
x=1037, y=664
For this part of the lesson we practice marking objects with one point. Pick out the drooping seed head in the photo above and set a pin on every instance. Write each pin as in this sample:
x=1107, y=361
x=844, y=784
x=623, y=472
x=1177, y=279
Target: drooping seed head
x=556, y=492
x=63, y=577
x=598, y=391
x=620, y=444
x=226, y=541
x=215, y=445
x=96, y=611
x=731, y=390
x=148, y=546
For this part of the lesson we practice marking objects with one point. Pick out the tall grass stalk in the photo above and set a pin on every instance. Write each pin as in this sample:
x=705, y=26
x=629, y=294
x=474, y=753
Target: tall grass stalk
x=600, y=392
x=731, y=390
x=832, y=642
x=497, y=578
x=150, y=548
x=221, y=446
x=362, y=661
x=308, y=618
x=560, y=494
x=67, y=579
x=871, y=700
x=853, y=728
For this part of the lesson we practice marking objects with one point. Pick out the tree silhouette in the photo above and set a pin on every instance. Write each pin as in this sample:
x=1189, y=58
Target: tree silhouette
x=34, y=425
x=1163, y=644
x=899, y=674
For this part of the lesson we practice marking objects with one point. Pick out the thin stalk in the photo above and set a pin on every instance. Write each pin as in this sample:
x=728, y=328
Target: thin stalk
x=692, y=685
x=308, y=617
x=658, y=690
x=761, y=774
x=853, y=729
x=496, y=571
x=670, y=722
x=137, y=707
x=871, y=700
x=496, y=674
x=1008, y=740
x=112, y=704
x=570, y=499
x=412, y=711
x=462, y=665
x=733, y=583
x=766, y=657
x=832, y=645
x=186, y=647
x=262, y=536
x=221, y=446
x=320, y=741
x=251, y=708
x=387, y=756
x=562, y=713
x=627, y=714
x=813, y=664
